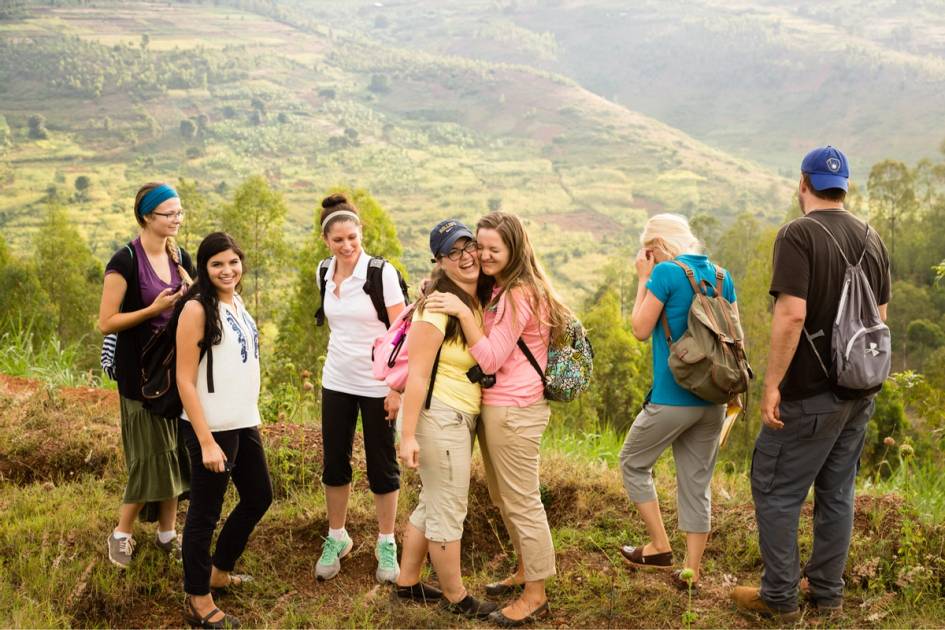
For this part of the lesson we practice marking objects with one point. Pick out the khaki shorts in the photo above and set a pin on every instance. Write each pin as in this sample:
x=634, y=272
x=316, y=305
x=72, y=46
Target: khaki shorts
x=445, y=436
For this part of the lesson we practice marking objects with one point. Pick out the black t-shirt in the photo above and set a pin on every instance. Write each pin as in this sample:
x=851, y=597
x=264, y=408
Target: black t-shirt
x=808, y=265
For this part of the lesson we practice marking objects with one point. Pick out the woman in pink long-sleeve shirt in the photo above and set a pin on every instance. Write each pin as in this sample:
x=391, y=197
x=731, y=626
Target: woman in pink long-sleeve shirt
x=514, y=413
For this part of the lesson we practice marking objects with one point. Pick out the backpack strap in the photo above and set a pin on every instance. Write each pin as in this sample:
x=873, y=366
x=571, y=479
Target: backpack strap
x=834, y=239
x=690, y=275
x=810, y=340
x=322, y=281
x=666, y=332
x=374, y=287
x=210, y=387
x=719, y=280
x=531, y=359
x=436, y=364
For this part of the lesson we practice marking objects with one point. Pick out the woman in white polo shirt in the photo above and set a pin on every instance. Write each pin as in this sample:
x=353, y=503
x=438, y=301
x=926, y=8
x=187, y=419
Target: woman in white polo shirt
x=349, y=386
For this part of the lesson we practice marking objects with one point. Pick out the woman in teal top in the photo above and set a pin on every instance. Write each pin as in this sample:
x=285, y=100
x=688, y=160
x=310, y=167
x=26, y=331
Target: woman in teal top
x=671, y=416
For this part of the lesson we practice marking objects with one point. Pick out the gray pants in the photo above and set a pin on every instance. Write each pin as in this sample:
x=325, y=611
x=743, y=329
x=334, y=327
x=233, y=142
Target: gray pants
x=820, y=444
x=693, y=433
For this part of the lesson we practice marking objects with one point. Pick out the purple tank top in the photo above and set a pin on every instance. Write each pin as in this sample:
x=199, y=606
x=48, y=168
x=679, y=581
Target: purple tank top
x=151, y=285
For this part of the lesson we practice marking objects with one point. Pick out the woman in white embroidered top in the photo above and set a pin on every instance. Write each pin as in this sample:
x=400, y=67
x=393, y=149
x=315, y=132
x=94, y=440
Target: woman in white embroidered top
x=349, y=387
x=218, y=381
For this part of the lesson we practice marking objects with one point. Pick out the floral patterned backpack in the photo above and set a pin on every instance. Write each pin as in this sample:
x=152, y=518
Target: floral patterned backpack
x=570, y=365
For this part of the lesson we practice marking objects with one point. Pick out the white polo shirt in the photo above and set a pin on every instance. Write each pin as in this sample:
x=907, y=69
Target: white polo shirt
x=354, y=326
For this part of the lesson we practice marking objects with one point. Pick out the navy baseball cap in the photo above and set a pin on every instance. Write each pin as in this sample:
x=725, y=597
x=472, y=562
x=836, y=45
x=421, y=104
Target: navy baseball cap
x=826, y=167
x=445, y=234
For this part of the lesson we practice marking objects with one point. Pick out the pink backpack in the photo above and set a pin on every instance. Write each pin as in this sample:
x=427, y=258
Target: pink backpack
x=389, y=356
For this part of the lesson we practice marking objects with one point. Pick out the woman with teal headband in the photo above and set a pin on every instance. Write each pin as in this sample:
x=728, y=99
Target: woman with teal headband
x=143, y=281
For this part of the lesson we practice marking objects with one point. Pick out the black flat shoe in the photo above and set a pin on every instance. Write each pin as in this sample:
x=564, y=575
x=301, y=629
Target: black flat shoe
x=470, y=607
x=419, y=592
x=196, y=621
x=501, y=589
x=504, y=622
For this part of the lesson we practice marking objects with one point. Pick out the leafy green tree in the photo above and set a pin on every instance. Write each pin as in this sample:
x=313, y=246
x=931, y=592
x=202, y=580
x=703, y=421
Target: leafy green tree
x=622, y=372
x=380, y=84
x=82, y=184
x=70, y=274
x=300, y=344
x=707, y=229
x=24, y=302
x=187, y=128
x=892, y=199
x=256, y=219
x=37, y=127
x=197, y=222
x=909, y=303
x=736, y=248
x=4, y=131
x=145, y=41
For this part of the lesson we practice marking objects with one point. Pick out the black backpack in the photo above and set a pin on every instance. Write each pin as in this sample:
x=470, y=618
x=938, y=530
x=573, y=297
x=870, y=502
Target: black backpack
x=373, y=286
x=159, y=369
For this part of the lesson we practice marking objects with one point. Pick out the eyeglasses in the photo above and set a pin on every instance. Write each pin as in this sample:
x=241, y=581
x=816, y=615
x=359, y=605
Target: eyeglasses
x=468, y=248
x=171, y=215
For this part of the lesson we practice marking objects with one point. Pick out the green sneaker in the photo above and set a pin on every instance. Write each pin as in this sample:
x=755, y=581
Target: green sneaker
x=333, y=551
x=387, y=567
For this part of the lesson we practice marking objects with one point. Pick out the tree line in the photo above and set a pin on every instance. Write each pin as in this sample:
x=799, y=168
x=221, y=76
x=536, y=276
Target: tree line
x=54, y=294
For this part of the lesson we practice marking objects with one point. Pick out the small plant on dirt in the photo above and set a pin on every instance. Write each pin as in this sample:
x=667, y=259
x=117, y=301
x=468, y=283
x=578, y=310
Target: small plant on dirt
x=687, y=575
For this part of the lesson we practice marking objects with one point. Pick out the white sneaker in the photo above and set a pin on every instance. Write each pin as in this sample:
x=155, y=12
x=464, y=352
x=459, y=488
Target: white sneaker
x=333, y=551
x=387, y=568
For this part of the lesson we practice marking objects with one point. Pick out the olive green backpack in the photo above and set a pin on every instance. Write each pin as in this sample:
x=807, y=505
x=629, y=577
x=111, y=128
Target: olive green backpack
x=709, y=359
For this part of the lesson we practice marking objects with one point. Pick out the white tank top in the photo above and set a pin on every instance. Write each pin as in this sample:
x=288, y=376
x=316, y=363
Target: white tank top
x=234, y=402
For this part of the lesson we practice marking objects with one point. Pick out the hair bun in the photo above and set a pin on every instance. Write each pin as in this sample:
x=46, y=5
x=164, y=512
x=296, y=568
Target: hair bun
x=334, y=200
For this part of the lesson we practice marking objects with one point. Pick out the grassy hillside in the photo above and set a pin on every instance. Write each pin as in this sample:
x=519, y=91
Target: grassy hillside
x=764, y=80
x=61, y=482
x=310, y=106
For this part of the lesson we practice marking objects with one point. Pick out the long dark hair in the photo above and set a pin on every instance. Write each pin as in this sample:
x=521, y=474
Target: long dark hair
x=439, y=281
x=203, y=290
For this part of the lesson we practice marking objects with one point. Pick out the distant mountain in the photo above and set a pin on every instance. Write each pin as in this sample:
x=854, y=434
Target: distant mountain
x=129, y=93
x=762, y=79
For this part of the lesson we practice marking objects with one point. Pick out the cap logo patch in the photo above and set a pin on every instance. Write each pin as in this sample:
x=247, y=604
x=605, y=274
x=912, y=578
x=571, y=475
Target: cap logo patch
x=833, y=164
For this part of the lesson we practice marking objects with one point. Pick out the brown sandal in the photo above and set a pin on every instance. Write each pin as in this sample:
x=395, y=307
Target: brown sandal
x=655, y=561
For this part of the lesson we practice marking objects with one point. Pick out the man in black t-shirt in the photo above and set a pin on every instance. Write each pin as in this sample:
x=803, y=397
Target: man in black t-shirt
x=813, y=431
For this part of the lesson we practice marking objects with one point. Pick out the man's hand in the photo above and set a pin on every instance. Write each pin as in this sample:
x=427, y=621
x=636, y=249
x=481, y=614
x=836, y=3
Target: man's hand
x=770, y=408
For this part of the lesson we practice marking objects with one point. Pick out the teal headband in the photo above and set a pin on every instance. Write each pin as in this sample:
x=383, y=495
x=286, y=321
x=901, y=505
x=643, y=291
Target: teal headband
x=155, y=197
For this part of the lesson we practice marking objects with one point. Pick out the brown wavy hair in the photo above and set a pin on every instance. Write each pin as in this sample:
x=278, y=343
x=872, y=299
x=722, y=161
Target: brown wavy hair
x=524, y=272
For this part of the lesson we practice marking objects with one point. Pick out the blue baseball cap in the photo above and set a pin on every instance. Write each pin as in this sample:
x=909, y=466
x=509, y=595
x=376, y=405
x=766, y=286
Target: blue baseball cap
x=826, y=167
x=445, y=234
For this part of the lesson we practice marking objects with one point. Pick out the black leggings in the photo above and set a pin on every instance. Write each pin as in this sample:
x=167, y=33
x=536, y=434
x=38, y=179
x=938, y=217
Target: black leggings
x=244, y=450
x=339, y=420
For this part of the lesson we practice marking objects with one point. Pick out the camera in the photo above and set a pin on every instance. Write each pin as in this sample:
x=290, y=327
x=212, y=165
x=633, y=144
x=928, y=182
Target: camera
x=476, y=375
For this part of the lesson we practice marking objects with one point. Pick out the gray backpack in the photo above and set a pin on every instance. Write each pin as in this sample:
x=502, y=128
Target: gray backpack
x=860, y=343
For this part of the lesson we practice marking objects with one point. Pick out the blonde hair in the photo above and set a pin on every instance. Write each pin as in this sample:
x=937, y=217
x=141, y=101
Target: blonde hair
x=670, y=234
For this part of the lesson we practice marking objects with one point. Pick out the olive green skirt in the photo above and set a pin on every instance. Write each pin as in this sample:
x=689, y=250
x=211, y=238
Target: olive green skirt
x=158, y=466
